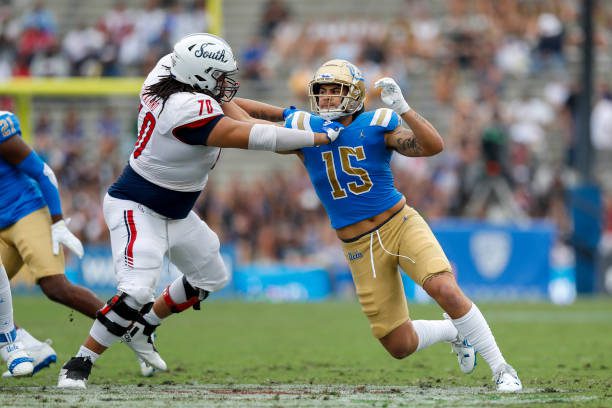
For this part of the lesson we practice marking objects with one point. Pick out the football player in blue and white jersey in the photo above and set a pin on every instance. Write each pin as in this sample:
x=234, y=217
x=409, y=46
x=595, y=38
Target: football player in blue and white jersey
x=379, y=231
x=32, y=230
x=148, y=210
x=12, y=351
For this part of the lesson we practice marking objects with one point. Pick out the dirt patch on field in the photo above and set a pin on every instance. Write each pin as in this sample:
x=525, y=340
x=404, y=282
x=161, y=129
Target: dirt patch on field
x=245, y=395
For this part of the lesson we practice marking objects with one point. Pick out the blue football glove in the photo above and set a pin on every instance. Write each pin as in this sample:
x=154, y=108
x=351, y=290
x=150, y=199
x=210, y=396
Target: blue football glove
x=288, y=111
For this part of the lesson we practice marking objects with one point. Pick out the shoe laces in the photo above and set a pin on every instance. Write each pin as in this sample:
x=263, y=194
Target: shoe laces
x=79, y=364
x=461, y=341
x=505, y=369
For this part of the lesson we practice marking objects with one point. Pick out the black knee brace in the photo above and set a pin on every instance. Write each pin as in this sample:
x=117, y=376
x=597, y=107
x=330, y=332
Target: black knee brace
x=117, y=304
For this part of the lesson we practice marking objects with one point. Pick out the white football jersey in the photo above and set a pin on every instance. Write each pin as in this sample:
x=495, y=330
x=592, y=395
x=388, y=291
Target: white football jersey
x=158, y=155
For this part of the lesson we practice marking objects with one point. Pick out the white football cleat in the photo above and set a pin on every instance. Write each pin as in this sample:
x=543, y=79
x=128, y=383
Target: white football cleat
x=145, y=369
x=466, y=355
x=506, y=379
x=75, y=373
x=18, y=361
x=42, y=354
x=461, y=347
x=141, y=339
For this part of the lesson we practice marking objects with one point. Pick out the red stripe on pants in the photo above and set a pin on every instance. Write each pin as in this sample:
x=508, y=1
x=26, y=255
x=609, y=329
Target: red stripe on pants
x=133, y=233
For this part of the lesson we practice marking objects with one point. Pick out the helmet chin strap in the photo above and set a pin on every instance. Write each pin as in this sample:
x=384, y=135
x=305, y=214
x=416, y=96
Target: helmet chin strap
x=337, y=114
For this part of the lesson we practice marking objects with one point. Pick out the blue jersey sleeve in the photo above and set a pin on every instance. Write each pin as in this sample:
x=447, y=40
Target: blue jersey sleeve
x=9, y=126
x=305, y=121
x=298, y=119
x=34, y=167
x=384, y=118
x=394, y=122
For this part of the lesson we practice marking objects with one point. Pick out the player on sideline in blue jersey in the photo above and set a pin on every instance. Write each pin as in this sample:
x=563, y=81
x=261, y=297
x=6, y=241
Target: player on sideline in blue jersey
x=352, y=177
x=12, y=351
x=31, y=231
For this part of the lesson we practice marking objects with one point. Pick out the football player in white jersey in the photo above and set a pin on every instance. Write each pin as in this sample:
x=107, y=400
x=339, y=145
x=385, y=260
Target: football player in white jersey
x=148, y=210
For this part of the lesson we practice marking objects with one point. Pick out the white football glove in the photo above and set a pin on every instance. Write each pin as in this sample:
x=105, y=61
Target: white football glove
x=391, y=95
x=60, y=234
x=333, y=131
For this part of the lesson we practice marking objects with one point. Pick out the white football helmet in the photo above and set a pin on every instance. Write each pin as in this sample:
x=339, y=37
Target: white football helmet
x=352, y=88
x=206, y=62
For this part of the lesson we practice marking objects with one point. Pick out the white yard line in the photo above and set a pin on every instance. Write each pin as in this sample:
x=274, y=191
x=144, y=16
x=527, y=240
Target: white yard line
x=246, y=395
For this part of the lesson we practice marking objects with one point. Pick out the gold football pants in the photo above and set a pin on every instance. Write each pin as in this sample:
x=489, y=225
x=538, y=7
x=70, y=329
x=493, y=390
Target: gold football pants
x=26, y=248
x=405, y=241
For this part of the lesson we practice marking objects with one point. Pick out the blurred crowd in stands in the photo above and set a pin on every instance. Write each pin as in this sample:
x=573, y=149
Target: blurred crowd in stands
x=123, y=42
x=498, y=78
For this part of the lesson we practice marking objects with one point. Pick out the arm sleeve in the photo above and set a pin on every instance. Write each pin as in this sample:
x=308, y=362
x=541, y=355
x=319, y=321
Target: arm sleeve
x=34, y=167
x=196, y=133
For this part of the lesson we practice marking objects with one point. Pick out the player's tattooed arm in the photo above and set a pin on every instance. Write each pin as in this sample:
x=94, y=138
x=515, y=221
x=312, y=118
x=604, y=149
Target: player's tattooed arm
x=265, y=115
x=234, y=111
x=260, y=110
x=404, y=142
x=420, y=138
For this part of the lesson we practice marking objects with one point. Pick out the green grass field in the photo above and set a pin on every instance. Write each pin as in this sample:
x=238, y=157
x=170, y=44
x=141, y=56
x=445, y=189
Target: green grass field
x=284, y=355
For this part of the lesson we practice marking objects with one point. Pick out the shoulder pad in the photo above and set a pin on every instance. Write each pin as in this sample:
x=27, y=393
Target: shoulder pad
x=186, y=108
x=9, y=125
x=299, y=120
x=382, y=117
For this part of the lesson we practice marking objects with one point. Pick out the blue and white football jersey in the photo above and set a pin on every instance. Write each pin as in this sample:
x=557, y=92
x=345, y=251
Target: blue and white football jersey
x=19, y=194
x=352, y=176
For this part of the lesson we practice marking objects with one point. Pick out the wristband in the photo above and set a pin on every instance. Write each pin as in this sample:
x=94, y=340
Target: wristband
x=403, y=108
x=288, y=111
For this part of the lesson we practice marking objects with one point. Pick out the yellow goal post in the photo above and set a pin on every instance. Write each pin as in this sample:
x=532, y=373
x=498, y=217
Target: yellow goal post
x=24, y=90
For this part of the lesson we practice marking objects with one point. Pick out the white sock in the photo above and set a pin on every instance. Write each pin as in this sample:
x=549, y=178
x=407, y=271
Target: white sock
x=475, y=329
x=26, y=338
x=433, y=331
x=176, y=290
x=152, y=318
x=6, y=303
x=100, y=333
x=85, y=352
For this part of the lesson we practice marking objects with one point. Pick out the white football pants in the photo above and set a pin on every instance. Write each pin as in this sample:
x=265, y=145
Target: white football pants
x=140, y=238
